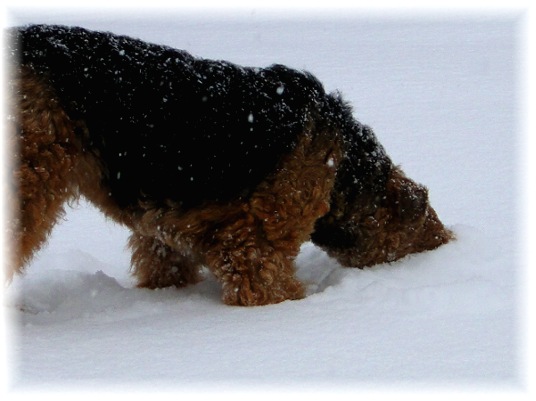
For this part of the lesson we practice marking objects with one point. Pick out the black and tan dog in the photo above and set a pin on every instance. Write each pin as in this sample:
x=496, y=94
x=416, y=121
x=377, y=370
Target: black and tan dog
x=208, y=163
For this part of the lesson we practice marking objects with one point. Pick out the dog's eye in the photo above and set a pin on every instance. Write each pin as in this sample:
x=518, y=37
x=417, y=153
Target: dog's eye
x=411, y=202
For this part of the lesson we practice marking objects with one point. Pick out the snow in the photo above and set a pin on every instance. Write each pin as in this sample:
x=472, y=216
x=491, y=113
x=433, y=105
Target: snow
x=441, y=95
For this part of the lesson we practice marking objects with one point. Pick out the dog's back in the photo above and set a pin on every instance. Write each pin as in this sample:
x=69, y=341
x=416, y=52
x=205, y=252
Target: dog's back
x=168, y=125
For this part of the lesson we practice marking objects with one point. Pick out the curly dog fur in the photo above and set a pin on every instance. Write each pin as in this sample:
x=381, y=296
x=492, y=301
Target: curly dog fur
x=208, y=163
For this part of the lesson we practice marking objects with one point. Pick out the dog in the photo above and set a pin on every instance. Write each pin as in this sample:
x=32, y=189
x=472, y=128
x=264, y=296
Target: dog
x=207, y=163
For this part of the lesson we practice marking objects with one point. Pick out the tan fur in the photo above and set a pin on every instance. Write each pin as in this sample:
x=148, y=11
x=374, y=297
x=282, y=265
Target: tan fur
x=42, y=136
x=402, y=224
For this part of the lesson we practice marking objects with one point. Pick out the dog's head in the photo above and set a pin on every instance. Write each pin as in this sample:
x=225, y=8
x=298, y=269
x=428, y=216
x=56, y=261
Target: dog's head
x=381, y=227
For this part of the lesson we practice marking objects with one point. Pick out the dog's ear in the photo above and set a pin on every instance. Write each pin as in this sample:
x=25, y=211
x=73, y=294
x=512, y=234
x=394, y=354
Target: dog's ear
x=408, y=199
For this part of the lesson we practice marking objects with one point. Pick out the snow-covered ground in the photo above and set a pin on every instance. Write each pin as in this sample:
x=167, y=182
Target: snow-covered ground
x=441, y=93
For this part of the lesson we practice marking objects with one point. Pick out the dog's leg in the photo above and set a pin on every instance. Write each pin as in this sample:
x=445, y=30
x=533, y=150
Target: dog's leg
x=253, y=252
x=228, y=239
x=42, y=159
x=156, y=265
x=252, y=269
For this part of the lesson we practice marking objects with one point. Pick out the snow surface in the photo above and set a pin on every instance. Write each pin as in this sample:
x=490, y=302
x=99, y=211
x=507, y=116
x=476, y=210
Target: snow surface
x=440, y=92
